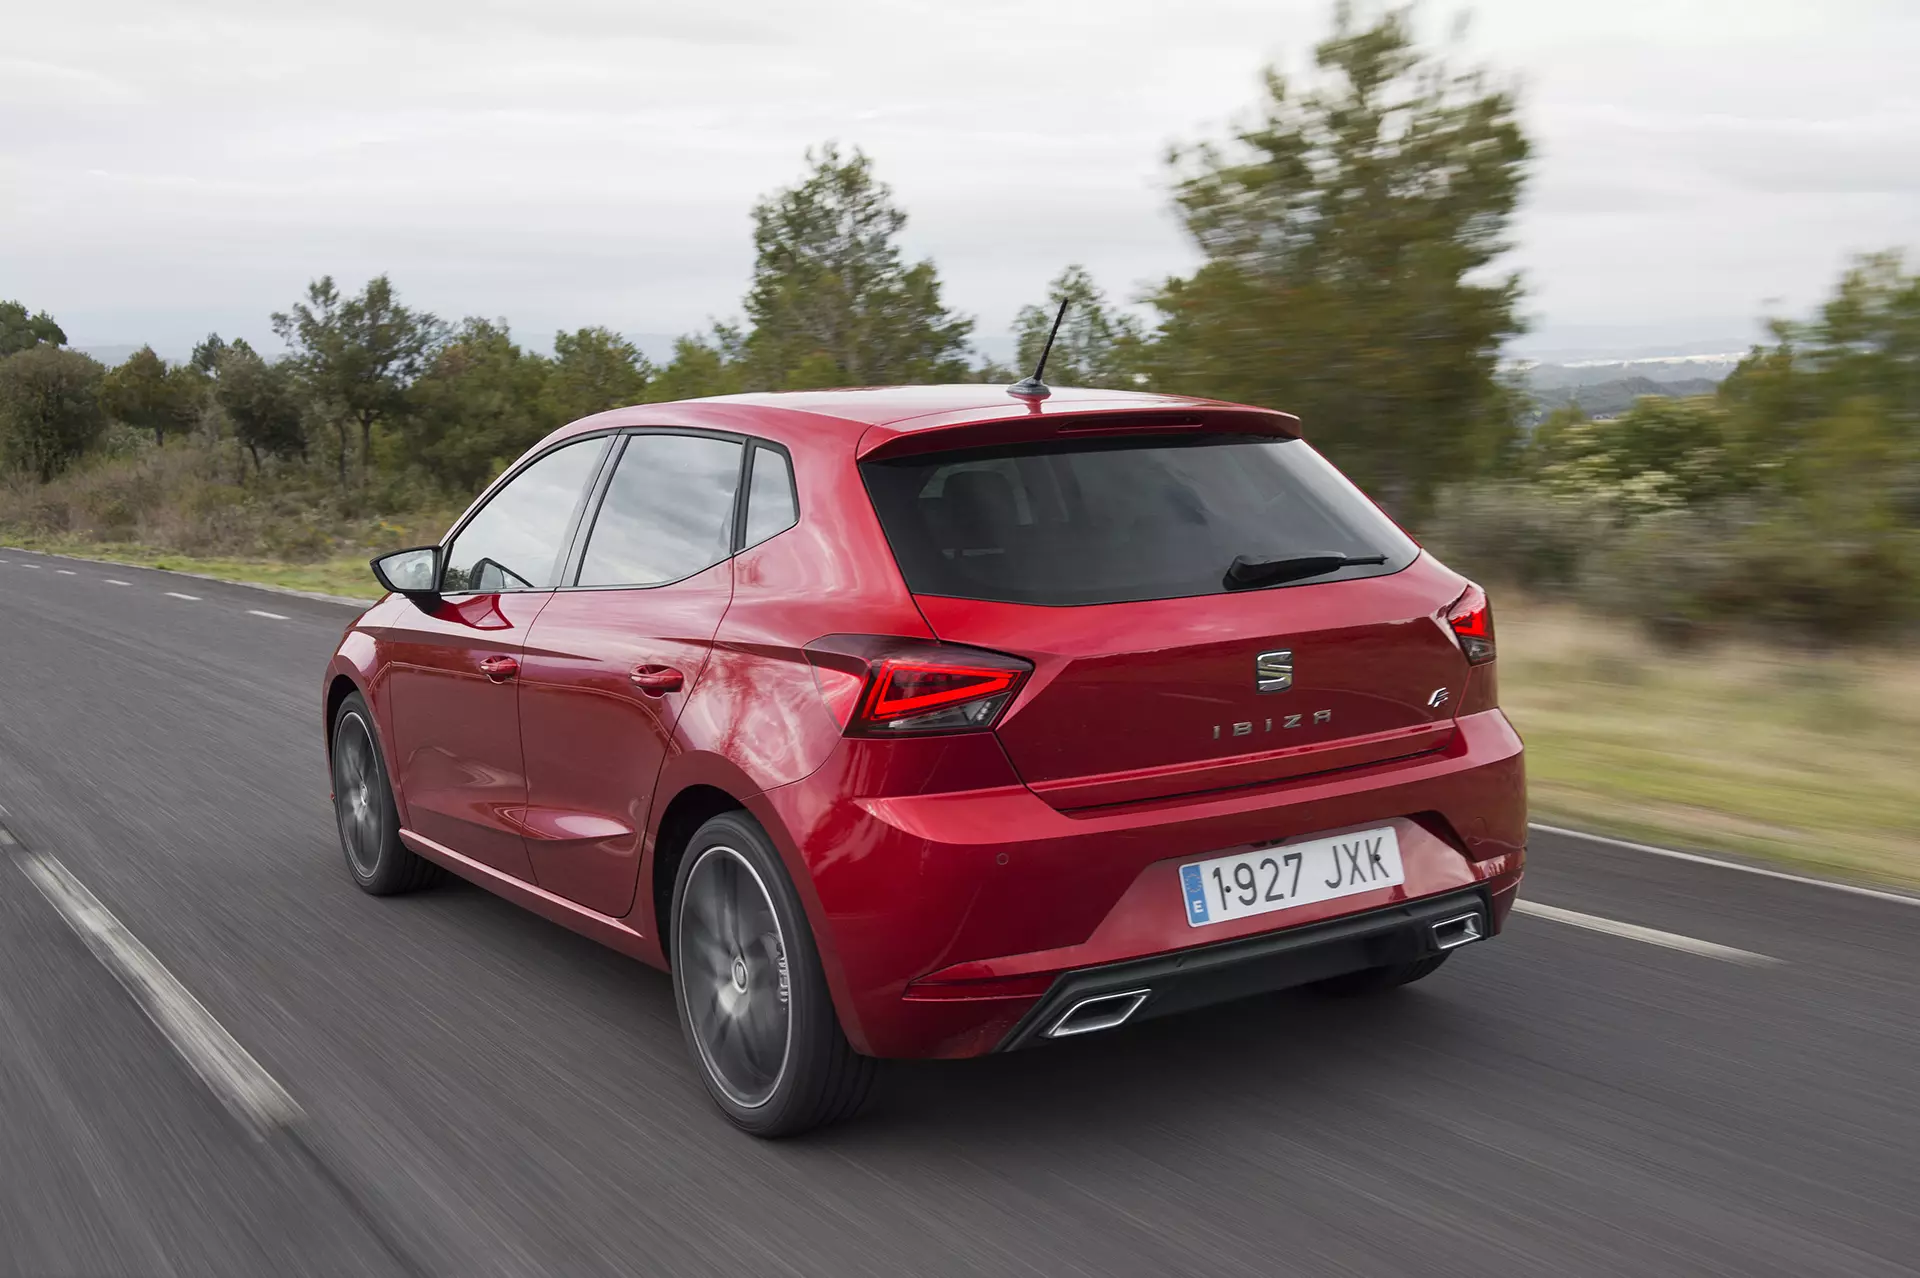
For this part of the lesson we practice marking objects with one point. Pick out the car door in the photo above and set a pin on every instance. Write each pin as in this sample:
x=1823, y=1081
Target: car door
x=452, y=667
x=611, y=660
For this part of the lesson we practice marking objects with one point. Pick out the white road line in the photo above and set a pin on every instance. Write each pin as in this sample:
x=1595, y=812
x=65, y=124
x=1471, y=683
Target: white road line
x=174, y=594
x=270, y=616
x=222, y=1064
x=66, y=572
x=1807, y=880
x=115, y=581
x=27, y=565
x=1652, y=936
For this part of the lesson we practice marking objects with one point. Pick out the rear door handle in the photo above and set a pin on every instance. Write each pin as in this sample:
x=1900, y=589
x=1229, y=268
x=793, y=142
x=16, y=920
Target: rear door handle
x=656, y=681
x=499, y=668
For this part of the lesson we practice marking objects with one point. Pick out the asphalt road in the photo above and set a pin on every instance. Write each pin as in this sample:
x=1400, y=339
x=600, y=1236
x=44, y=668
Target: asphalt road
x=485, y=1093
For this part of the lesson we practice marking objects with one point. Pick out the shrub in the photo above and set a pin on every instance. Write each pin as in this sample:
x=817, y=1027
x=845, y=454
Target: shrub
x=1515, y=533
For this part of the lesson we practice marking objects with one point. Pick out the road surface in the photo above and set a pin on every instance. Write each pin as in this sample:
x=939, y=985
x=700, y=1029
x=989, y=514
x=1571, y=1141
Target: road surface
x=480, y=1092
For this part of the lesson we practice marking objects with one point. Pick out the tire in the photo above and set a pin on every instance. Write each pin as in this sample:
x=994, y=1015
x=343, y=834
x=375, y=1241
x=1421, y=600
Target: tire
x=363, y=808
x=1378, y=980
x=752, y=998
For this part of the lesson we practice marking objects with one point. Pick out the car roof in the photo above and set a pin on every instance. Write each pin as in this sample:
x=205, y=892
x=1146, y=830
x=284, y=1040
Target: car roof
x=887, y=412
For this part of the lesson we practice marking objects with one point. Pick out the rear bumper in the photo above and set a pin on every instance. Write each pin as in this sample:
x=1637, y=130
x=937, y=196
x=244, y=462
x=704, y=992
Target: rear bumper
x=1209, y=974
x=950, y=901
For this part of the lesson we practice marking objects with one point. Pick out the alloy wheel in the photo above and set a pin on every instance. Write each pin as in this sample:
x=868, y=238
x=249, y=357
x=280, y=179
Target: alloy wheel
x=356, y=796
x=732, y=961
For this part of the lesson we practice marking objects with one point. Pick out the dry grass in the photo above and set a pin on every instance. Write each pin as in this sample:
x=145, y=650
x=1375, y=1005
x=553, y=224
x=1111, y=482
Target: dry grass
x=1799, y=756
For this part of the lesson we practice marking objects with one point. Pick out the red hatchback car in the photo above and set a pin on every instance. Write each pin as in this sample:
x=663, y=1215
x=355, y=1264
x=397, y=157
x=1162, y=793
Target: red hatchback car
x=934, y=722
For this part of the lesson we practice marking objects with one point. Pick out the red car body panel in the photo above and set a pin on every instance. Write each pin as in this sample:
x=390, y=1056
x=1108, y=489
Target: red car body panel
x=948, y=879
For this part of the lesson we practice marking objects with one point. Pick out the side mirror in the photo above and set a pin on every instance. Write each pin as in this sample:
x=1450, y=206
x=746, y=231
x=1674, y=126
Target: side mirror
x=414, y=573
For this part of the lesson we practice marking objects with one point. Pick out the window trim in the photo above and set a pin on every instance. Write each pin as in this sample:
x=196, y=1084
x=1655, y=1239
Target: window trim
x=580, y=504
x=743, y=511
x=583, y=529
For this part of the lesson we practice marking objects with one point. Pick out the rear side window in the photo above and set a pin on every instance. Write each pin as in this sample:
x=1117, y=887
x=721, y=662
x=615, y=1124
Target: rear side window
x=770, y=505
x=1111, y=521
x=667, y=514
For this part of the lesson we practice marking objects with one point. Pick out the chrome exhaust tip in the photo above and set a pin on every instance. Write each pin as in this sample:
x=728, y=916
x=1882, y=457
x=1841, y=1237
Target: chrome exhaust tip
x=1462, y=929
x=1102, y=1012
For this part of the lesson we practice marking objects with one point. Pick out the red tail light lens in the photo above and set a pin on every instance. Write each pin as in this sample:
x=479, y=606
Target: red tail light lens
x=909, y=687
x=1471, y=618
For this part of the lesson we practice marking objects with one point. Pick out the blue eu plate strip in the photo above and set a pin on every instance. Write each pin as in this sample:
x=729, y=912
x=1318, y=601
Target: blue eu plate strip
x=1196, y=889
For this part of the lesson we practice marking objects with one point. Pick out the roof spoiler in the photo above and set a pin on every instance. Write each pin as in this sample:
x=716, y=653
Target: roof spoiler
x=1082, y=419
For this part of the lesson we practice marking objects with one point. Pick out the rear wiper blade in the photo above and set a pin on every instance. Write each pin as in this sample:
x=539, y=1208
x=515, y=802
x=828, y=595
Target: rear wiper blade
x=1249, y=571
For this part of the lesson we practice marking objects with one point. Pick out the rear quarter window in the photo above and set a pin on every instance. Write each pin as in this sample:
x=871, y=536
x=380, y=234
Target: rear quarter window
x=1113, y=521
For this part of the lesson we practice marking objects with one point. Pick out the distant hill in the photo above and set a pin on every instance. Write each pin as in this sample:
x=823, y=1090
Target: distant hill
x=1611, y=398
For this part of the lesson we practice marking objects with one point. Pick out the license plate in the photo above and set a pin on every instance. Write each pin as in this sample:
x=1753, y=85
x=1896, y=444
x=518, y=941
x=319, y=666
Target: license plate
x=1279, y=878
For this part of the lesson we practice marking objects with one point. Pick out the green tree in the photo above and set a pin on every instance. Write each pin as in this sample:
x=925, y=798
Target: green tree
x=147, y=394
x=594, y=369
x=701, y=366
x=357, y=356
x=207, y=352
x=262, y=402
x=832, y=302
x=1097, y=346
x=20, y=331
x=1348, y=237
x=478, y=405
x=50, y=409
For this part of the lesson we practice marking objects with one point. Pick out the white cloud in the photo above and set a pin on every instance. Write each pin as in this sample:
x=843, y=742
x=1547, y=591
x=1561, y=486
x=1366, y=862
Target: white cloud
x=172, y=166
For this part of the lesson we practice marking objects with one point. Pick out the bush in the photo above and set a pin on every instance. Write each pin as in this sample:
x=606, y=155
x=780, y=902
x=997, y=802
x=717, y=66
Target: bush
x=1514, y=533
x=1689, y=575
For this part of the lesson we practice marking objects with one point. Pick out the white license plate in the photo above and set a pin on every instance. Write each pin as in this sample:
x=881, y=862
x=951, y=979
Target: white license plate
x=1279, y=878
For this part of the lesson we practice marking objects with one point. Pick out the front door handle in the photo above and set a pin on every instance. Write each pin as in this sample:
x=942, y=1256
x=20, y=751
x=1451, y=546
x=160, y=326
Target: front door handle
x=499, y=668
x=656, y=681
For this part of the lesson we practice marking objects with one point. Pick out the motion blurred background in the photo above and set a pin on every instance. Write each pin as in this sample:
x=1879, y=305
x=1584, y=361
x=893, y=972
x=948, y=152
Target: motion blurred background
x=1607, y=305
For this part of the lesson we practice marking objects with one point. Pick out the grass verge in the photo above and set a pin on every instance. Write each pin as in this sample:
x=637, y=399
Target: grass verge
x=346, y=575
x=1793, y=756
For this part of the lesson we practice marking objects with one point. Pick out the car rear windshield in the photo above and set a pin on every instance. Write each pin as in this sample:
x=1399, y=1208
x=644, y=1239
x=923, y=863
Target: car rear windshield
x=1108, y=521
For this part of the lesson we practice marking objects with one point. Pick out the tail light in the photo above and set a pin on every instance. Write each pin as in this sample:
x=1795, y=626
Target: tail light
x=877, y=686
x=1471, y=619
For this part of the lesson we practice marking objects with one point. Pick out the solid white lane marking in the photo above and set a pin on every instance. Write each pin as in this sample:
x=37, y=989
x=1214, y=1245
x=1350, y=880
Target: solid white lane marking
x=1807, y=880
x=222, y=1064
x=66, y=572
x=174, y=594
x=270, y=616
x=1652, y=936
x=115, y=581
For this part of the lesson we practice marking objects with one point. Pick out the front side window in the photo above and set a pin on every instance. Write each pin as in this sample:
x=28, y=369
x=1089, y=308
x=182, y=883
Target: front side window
x=519, y=536
x=668, y=512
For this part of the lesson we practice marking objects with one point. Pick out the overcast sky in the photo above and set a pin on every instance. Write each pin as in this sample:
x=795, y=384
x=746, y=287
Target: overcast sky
x=168, y=167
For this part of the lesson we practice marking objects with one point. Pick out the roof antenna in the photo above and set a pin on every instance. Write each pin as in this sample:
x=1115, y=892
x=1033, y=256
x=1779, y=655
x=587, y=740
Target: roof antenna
x=1032, y=388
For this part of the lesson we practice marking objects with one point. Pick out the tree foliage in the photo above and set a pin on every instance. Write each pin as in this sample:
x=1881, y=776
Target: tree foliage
x=149, y=395
x=1097, y=345
x=50, y=409
x=477, y=406
x=832, y=301
x=357, y=356
x=20, y=331
x=594, y=369
x=261, y=401
x=1348, y=238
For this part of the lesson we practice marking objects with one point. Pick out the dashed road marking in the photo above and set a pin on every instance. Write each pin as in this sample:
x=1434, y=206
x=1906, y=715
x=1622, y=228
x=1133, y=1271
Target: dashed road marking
x=1651, y=936
x=270, y=616
x=254, y=1096
x=115, y=581
x=66, y=572
x=174, y=594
